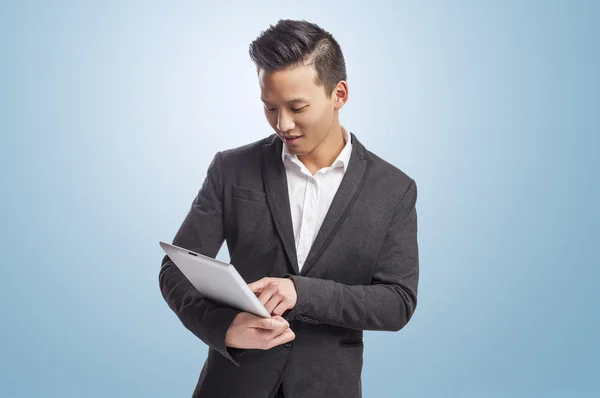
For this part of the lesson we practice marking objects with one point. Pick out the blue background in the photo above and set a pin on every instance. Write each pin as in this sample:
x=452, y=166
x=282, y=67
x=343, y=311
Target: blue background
x=111, y=111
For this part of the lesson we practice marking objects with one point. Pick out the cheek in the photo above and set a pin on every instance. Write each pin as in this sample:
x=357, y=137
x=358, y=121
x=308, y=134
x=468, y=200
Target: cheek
x=271, y=119
x=314, y=118
x=319, y=120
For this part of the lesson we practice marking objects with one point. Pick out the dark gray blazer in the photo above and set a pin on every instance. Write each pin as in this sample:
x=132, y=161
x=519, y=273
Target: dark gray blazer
x=361, y=272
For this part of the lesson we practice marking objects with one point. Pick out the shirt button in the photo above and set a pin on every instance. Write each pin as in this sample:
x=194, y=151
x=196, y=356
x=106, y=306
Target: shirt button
x=288, y=345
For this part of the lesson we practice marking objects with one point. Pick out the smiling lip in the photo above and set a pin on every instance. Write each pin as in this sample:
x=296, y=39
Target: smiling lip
x=291, y=140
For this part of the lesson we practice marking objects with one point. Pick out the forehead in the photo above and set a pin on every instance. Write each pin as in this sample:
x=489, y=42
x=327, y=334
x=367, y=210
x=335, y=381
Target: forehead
x=292, y=82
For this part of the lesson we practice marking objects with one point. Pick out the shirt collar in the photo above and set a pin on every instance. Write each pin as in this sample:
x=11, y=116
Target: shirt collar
x=342, y=160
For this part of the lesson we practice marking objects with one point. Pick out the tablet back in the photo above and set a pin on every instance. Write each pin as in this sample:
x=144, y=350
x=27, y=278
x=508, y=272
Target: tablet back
x=216, y=280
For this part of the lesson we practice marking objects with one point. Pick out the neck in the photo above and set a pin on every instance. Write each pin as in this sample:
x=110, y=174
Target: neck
x=326, y=152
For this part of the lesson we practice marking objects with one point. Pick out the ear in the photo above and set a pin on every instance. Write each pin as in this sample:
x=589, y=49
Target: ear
x=340, y=94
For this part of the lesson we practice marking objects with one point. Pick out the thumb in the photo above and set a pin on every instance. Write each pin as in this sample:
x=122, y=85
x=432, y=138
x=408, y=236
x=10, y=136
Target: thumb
x=270, y=323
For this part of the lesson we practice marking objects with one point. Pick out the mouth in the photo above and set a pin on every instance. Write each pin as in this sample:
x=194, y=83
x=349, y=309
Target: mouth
x=291, y=139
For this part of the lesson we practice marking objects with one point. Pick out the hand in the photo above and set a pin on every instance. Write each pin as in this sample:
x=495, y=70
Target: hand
x=276, y=294
x=253, y=332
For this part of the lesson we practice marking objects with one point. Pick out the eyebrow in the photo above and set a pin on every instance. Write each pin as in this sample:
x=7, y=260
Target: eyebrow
x=300, y=99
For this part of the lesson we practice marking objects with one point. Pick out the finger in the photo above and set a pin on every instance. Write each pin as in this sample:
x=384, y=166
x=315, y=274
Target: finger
x=267, y=293
x=259, y=285
x=282, y=320
x=269, y=323
x=256, y=289
x=280, y=309
x=273, y=303
x=283, y=338
x=284, y=325
x=278, y=326
x=269, y=334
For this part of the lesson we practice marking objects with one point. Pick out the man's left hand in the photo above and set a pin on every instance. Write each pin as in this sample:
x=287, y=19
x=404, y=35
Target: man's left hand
x=276, y=294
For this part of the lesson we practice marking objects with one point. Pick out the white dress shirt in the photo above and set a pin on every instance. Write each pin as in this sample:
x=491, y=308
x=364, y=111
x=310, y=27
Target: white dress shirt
x=311, y=196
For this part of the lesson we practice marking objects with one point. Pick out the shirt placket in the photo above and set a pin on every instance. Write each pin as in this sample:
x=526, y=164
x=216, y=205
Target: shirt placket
x=308, y=220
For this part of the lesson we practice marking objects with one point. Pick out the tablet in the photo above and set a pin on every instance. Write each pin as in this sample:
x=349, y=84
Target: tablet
x=216, y=280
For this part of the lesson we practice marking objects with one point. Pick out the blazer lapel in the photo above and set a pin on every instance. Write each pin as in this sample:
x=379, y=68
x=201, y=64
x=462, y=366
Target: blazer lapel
x=276, y=189
x=344, y=196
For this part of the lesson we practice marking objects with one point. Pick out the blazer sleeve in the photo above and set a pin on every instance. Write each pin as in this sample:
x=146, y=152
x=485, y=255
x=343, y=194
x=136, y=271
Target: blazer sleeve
x=389, y=301
x=202, y=232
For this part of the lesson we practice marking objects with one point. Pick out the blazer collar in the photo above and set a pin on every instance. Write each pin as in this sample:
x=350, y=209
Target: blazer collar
x=275, y=180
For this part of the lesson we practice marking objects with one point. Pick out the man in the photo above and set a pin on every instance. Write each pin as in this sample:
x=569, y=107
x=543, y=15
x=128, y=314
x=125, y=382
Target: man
x=324, y=230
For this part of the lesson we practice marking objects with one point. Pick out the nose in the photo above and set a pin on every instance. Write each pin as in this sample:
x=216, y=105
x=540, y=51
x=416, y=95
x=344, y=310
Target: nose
x=284, y=122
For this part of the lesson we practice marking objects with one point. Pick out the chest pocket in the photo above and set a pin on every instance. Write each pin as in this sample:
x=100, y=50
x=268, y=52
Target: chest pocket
x=248, y=195
x=251, y=215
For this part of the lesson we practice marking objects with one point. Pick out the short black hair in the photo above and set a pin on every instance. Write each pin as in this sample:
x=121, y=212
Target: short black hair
x=293, y=43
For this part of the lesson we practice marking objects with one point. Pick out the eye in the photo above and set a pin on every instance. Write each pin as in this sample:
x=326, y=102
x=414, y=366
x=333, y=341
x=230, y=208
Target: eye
x=293, y=109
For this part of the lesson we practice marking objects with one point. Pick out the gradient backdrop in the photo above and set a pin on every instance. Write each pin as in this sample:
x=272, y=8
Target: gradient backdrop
x=110, y=112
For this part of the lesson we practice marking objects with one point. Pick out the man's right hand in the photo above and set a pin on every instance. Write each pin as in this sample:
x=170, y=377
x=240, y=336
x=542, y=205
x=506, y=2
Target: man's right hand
x=253, y=332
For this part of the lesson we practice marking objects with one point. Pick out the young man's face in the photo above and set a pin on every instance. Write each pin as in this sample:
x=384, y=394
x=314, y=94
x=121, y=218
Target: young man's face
x=295, y=106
